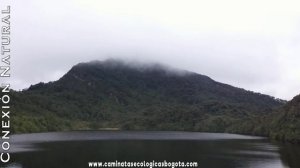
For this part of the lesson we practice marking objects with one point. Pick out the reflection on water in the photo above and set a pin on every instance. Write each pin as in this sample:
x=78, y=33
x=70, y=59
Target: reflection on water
x=290, y=155
x=76, y=149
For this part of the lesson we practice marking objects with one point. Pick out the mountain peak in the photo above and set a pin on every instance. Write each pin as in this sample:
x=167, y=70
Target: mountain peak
x=118, y=64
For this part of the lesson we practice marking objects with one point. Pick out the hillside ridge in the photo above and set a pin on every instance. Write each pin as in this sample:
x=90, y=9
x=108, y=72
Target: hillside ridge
x=116, y=94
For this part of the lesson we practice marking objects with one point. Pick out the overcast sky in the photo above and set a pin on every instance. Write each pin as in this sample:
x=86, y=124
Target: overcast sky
x=251, y=44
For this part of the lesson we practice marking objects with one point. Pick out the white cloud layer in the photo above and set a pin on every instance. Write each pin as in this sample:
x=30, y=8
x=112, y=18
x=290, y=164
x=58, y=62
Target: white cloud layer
x=249, y=44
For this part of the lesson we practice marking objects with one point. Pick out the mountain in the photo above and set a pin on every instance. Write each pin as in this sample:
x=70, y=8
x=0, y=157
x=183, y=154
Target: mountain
x=116, y=94
x=285, y=122
x=282, y=124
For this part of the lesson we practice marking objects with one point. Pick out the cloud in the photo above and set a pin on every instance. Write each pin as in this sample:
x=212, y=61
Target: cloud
x=249, y=44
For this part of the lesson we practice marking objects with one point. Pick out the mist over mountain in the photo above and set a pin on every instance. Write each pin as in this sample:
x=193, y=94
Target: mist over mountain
x=135, y=96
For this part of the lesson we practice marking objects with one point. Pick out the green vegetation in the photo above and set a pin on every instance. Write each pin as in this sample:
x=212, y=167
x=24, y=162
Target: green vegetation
x=111, y=94
x=282, y=124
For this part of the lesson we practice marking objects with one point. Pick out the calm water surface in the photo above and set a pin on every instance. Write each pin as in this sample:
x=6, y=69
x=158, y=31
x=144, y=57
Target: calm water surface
x=210, y=150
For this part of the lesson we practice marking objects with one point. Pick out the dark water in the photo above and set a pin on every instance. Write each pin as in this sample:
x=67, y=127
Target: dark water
x=210, y=150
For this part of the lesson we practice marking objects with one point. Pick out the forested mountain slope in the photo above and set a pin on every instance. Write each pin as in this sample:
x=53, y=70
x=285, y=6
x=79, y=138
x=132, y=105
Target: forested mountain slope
x=285, y=122
x=114, y=94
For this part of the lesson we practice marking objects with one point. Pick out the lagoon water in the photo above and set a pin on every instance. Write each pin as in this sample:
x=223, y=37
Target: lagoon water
x=210, y=150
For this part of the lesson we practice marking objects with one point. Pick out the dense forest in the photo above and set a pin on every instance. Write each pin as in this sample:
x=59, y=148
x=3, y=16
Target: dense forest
x=113, y=94
x=282, y=123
